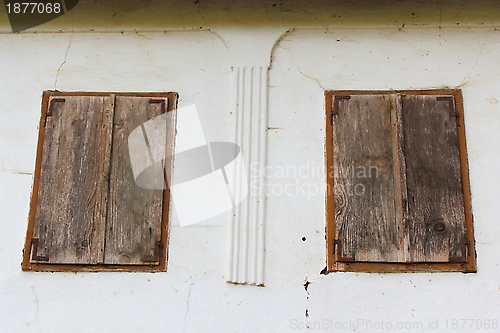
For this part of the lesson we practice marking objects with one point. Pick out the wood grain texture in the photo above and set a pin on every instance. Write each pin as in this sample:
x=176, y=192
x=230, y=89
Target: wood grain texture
x=435, y=192
x=364, y=179
x=71, y=202
x=401, y=181
x=430, y=246
x=134, y=213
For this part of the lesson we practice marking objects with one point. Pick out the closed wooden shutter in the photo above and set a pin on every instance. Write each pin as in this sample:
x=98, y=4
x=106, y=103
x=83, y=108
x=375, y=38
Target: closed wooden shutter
x=72, y=196
x=436, y=218
x=364, y=179
x=87, y=208
x=398, y=179
x=133, y=234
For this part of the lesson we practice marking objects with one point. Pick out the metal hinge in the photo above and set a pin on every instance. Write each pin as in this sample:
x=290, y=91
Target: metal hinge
x=451, y=100
x=463, y=254
x=336, y=102
x=337, y=249
x=34, y=251
x=161, y=102
x=50, y=111
x=156, y=253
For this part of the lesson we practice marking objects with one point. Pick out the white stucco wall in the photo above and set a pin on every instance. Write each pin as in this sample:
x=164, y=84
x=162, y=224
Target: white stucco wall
x=192, y=296
x=318, y=60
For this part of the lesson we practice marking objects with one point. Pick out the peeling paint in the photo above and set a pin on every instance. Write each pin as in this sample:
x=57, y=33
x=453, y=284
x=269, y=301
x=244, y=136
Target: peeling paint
x=306, y=286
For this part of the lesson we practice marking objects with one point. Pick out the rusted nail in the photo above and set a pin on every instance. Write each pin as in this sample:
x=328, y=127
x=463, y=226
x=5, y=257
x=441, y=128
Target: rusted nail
x=119, y=124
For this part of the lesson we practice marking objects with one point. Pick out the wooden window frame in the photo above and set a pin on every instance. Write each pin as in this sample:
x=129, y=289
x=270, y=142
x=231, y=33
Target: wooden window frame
x=30, y=249
x=333, y=264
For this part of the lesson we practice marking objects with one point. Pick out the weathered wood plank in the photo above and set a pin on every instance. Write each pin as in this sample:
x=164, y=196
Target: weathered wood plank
x=401, y=181
x=436, y=217
x=71, y=205
x=364, y=147
x=134, y=213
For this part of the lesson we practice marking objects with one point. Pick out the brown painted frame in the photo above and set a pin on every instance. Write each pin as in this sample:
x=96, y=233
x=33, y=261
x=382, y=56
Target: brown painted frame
x=27, y=265
x=333, y=263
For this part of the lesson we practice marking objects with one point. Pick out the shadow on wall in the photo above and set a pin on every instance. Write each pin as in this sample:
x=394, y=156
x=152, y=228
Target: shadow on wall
x=198, y=14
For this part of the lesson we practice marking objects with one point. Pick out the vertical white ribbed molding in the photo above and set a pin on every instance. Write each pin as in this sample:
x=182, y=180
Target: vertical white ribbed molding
x=246, y=232
x=250, y=51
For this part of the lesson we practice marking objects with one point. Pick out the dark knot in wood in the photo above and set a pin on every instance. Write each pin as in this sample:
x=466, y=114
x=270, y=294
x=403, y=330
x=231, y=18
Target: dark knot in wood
x=439, y=226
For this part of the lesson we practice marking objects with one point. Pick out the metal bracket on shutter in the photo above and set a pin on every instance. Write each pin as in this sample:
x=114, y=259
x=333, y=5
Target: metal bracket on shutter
x=451, y=100
x=50, y=111
x=161, y=102
x=463, y=254
x=337, y=248
x=336, y=104
x=34, y=251
x=156, y=254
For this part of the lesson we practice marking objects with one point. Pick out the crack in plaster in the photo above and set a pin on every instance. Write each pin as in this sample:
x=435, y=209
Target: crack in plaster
x=306, y=286
x=477, y=58
x=453, y=49
x=65, y=55
x=208, y=51
x=306, y=76
x=440, y=14
x=325, y=271
x=137, y=33
x=291, y=57
x=187, y=306
x=277, y=44
x=37, y=310
x=15, y=172
x=198, y=3
x=281, y=14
